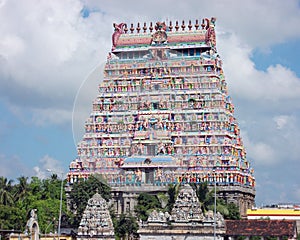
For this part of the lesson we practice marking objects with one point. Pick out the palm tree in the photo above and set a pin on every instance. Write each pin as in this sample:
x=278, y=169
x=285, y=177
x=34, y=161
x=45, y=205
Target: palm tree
x=173, y=191
x=21, y=189
x=6, y=197
x=206, y=198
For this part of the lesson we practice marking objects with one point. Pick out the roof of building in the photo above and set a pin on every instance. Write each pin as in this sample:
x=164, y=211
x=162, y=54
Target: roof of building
x=260, y=227
x=273, y=212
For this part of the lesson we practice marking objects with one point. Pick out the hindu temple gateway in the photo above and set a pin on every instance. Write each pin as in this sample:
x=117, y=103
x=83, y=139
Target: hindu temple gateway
x=163, y=115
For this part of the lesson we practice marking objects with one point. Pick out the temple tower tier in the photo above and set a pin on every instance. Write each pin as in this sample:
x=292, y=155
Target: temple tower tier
x=163, y=114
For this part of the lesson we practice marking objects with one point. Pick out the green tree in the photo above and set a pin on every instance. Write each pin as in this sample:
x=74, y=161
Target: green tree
x=126, y=227
x=172, y=193
x=205, y=196
x=47, y=210
x=82, y=191
x=44, y=195
x=207, y=199
x=35, y=188
x=21, y=188
x=12, y=217
x=6, y=196
x=255, y=238
x=17, y=200
x=233, y=212
x=51, y=188
x=145, y=203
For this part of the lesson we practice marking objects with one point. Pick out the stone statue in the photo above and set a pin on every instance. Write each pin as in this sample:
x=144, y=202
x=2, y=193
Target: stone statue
x=209, y=215
x=220, y=220
x=32, y=226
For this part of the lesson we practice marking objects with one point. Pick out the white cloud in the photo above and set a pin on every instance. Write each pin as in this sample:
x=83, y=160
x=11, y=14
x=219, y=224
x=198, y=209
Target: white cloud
x=11, y=46
x=13, y=167
x=281, y=121
x=46, y=116
x=262, y=153
x=47, y=49
x=48, y=166
x=272, y=140
x=44, y=61
x=246, y=82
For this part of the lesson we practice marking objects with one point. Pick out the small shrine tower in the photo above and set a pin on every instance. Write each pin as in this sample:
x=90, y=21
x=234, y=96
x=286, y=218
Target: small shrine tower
x=186, y=220
x=163, y=115
x=96, y=222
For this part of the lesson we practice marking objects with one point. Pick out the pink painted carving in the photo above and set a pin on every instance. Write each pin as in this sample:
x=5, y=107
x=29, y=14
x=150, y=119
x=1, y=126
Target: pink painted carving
x=210, y=36
x=161, y=26
x=116, y=35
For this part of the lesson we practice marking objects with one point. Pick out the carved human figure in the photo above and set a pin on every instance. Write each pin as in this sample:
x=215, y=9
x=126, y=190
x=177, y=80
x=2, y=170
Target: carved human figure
x=210, y=36
x=116, y=35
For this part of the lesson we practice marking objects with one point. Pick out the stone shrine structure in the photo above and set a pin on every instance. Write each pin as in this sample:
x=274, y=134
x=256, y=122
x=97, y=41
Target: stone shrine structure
x=163, y=115
x=96, y=222
x=32, y=226
x=186, y=220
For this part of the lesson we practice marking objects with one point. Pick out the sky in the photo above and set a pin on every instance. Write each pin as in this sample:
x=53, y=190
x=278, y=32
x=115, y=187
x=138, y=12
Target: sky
x=51, y=61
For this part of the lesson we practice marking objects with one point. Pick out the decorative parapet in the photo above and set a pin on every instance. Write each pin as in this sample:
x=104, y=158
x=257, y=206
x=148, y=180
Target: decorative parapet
x=162, y=33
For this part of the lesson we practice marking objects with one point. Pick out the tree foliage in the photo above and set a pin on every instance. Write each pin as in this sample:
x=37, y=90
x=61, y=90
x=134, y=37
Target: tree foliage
x=18, y=199
x=12, y=217
x=146, y=203
x=234, y=213
x=126, y=227
x=207, y=199
x=82, y=191
x=172, y=193
x=6, y=196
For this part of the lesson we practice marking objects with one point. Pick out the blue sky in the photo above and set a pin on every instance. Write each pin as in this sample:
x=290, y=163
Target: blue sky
x=51, y=58
x=284, y=54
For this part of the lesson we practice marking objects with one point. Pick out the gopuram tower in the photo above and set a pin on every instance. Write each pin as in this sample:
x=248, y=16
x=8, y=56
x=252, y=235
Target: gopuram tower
x=163, y=115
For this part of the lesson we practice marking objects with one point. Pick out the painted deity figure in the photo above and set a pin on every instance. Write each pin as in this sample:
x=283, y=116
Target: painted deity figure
x=160, y=35
x=116, y=35
x=210, y=36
